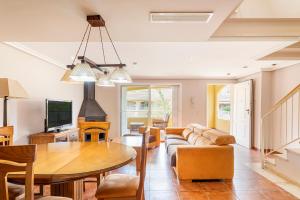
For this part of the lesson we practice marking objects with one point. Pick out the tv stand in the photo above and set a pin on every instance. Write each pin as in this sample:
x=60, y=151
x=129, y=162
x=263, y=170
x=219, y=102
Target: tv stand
x=62, y=136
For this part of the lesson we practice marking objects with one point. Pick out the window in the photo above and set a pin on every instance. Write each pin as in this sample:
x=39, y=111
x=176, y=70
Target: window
x=223, y=103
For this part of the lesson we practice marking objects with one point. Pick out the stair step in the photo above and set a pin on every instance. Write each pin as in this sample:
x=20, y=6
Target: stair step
x=293, y=150
x=282, y=156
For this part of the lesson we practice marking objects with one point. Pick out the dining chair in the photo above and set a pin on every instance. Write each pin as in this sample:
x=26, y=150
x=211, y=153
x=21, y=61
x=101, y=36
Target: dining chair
x=154, y=135
x=6, y=139
x=6, y=135
x=124, y=186
x=94, y=129
x=15, y=159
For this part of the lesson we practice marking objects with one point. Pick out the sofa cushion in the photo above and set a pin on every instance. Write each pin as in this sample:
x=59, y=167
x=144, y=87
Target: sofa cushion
x=202, y=141
x=173, y=136
x=193, y=138
x=172, y=154
x=171, y=142
x=200, y=129
x=218, y=137
x=186, y=132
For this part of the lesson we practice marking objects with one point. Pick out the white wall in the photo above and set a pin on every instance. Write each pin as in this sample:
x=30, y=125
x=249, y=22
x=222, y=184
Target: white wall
x=284, y=80
x=109, y=99
x=269, y=88
x=41, y=80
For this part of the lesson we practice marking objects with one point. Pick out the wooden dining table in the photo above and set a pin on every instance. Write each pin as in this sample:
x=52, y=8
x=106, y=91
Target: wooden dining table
x=64, y=165
x=134, y=142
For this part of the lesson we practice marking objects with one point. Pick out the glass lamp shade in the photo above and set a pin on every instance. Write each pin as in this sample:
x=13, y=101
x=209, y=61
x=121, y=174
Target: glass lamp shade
x=83, y=72
x=120, y=75
x=104, y=81
x=67, y=79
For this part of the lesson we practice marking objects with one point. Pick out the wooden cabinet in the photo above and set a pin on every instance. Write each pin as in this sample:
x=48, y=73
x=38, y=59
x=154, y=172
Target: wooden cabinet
x=44, y=138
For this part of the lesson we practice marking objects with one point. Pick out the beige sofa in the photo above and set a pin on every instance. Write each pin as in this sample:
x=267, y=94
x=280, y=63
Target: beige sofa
x=200, y=153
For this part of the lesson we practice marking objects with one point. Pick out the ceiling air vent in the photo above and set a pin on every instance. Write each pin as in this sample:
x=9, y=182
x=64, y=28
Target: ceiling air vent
x=177, y=17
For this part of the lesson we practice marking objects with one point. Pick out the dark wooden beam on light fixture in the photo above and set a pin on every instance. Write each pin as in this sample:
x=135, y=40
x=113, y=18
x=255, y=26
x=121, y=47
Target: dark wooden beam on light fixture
x=85, y=59
x=95, y=65
x=95, y=20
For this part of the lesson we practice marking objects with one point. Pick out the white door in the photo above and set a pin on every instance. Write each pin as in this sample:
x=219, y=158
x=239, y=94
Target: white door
x=242, y=112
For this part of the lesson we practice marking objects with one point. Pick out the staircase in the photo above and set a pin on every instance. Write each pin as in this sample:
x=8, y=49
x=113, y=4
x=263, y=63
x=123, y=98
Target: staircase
x=280, y=137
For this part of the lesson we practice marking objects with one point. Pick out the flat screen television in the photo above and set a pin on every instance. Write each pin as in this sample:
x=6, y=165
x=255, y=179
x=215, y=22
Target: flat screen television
x=58, y=114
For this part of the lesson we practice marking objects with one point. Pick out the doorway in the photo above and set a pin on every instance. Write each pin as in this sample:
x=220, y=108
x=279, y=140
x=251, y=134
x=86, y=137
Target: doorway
x=143, y=104
x=219, y=104
x=242, y=115
x=230, y=110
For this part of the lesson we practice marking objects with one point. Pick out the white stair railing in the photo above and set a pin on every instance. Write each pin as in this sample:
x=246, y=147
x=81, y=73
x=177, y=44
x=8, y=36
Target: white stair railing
x=280, y=126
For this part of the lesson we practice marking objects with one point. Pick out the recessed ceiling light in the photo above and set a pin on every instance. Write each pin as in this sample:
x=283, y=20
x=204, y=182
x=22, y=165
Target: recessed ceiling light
x=185, y=17
x=134, y=63
x=245, y=67
x=228, y=74
x=274, y=64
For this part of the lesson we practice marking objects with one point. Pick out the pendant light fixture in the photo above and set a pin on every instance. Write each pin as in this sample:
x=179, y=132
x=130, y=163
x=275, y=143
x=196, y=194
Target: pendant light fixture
x=120, y=75
x=84, y=71
x=105, y=81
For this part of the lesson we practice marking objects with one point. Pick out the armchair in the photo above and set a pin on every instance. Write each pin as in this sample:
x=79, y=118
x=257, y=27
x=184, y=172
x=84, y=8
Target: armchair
x=161, y=123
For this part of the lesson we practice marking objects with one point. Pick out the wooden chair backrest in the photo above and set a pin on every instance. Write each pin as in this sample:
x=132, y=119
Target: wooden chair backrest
x=6, y=135
x=143, y=129
x=17, y=159
x=93, y=127
x=143, y=165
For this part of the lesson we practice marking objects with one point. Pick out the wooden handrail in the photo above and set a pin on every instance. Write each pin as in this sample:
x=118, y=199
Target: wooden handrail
x=282, y=100
x=282, y=146
x=270, y=145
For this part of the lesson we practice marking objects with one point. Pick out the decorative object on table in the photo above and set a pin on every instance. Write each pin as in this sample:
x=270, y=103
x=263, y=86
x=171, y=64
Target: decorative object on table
x=83, y=71
x=161, y=123
x=10, y=88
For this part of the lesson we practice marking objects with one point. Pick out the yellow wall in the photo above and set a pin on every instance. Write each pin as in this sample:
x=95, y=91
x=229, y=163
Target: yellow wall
x=213, y=121
x=211, y=106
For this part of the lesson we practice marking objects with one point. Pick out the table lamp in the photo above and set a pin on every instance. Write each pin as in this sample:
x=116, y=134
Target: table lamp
x=10, y=89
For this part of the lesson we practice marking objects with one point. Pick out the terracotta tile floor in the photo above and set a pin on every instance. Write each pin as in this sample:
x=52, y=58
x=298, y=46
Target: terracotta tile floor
x=161, y=183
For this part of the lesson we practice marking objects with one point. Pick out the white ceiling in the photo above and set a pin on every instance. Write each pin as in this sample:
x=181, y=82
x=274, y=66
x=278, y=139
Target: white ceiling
x=268, y=9
x=212, y=59
x=127, y=20
x=52, y=29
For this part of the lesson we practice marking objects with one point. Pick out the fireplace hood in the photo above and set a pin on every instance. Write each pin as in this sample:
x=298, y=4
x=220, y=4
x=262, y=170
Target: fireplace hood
x=90, y=109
